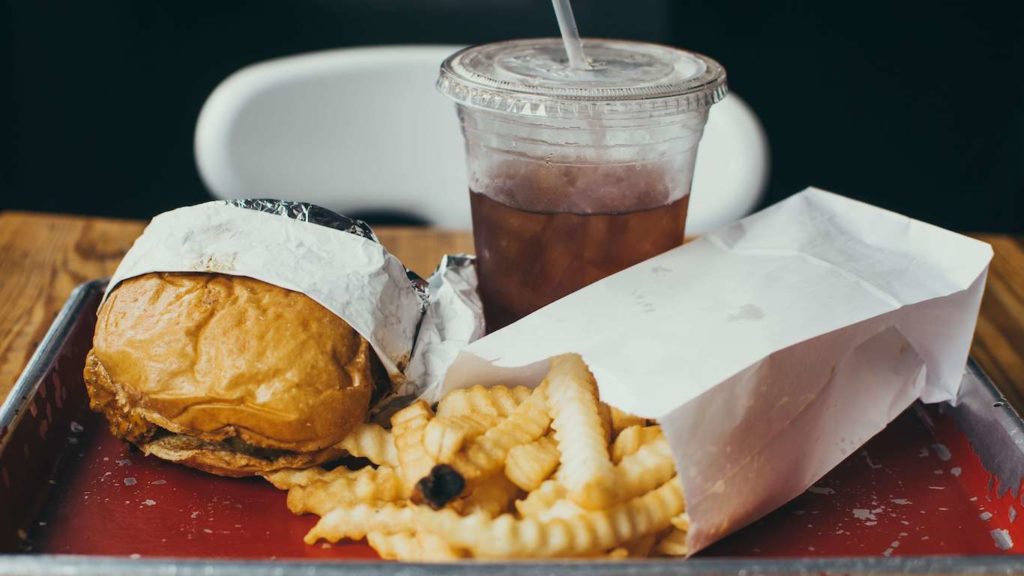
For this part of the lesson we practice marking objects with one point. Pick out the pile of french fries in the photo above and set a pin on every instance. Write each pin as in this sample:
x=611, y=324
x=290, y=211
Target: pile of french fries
x=503, y=473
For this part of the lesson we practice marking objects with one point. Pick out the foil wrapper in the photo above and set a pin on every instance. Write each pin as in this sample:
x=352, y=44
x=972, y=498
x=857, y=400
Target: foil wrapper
x=306, y=212
x=415, y=326
x=454, y=317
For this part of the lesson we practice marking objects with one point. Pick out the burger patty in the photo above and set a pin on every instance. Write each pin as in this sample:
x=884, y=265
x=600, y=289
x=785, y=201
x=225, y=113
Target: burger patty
x=171, y=441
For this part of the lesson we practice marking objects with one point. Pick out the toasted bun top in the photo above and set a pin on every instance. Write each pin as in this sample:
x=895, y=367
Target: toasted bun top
x=218, y=356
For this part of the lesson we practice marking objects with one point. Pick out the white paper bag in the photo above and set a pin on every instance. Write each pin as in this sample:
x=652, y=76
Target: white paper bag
x=769, y=350
x=414, y=330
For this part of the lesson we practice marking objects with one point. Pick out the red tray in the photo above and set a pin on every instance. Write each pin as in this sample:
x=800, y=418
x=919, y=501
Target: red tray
x=936, y=490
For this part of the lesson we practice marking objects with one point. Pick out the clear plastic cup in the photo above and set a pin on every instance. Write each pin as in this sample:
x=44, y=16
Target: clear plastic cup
x=575, y=175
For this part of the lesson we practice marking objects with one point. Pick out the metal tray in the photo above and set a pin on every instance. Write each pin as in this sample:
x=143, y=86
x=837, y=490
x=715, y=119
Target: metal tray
x=937, y=491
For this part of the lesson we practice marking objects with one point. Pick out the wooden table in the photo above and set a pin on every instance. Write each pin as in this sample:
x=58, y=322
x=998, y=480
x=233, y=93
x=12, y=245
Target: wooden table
x=44, y=256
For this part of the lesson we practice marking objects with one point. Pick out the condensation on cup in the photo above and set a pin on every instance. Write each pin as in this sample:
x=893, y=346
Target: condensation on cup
x=575, y=174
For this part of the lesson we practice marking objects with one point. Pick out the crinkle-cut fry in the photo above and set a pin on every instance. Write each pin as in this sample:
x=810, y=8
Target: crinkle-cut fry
x=638, y=473
x=640, y=547
x=682, y=522
x=562, y=509
x=408, y=426
x=373, y=442
x=436, y=549
x=606, y=421
x=401, y=546
x=442, y=441
x=541, y=499
x=367, y=485
x=622, y=420
x=619, y=553
x=412, y=547
x=445, y=435
x=491, y=496
x=631, y=439
x=586, y=469
x=673, y=543
x=355, y=522
x=650, y=466
x=508, y=537
x=289, y=477
x=486, y=454
x=528, y=465
x=490, y=400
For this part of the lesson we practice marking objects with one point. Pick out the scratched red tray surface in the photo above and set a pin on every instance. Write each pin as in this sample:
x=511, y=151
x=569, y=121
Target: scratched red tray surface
x=919, y=488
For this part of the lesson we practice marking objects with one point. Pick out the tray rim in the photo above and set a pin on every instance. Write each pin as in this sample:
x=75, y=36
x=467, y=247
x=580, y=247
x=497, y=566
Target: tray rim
x=47, y=351
x=116, y=566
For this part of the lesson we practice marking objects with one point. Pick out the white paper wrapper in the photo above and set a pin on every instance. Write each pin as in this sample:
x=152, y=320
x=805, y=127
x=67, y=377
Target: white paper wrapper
x=769, y=350
x=350, y=274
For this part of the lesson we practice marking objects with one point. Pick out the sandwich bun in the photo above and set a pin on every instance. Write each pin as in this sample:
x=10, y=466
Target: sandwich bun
x=227, y=373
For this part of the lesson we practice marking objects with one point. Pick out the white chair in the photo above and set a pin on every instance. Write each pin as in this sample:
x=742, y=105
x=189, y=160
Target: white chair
x=363, y=129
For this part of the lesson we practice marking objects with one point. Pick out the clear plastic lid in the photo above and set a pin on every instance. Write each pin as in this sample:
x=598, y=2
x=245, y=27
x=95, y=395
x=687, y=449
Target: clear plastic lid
x=626, y=79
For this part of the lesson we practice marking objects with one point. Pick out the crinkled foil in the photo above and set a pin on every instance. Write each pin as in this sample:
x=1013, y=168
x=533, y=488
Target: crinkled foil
x=306, y=212
x=453, y=318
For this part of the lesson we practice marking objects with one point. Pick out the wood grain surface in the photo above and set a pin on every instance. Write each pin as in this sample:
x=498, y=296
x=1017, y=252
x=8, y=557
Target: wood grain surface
x=999, y=338
x=44, y=256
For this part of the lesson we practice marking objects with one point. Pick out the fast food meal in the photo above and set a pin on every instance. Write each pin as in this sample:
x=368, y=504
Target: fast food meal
x=503, y=473
x=263, y=363
x=229, y=374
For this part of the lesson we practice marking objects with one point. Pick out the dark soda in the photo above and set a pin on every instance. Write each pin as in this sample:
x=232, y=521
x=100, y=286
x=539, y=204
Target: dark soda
x=528, y=259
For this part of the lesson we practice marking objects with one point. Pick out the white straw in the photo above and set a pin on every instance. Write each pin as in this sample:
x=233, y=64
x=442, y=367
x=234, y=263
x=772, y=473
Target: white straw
x=570, y=35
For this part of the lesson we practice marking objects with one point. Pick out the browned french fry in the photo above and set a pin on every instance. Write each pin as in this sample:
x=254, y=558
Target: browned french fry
x=355, y=522
x=562, y=509
x=289, y=478
x=493, y=401
x=410, y=547
x=651, y=465
x=486, y=454
x=619, y=553
x=631, y=439
x=606, y=420
x=586, y=469
x=436, y=548
x=682, y=522
x=528, y=465
x=639, y=472
x=673, y=543
x=540, y=500
x=395, y=545
x=491, y=496
x=622, y=420
x=373, y=442
x=508, y=537
x=604, y=412
x=365, y=486
x=598, y=481
x=641, y=547
x=441, y=440
x=445, y=435
x=408, y=426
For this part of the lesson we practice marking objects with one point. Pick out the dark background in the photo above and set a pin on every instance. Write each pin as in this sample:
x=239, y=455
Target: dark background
x=916, y=106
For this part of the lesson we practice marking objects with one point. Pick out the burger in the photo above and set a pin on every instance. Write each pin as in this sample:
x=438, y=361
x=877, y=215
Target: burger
x=228, y=374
